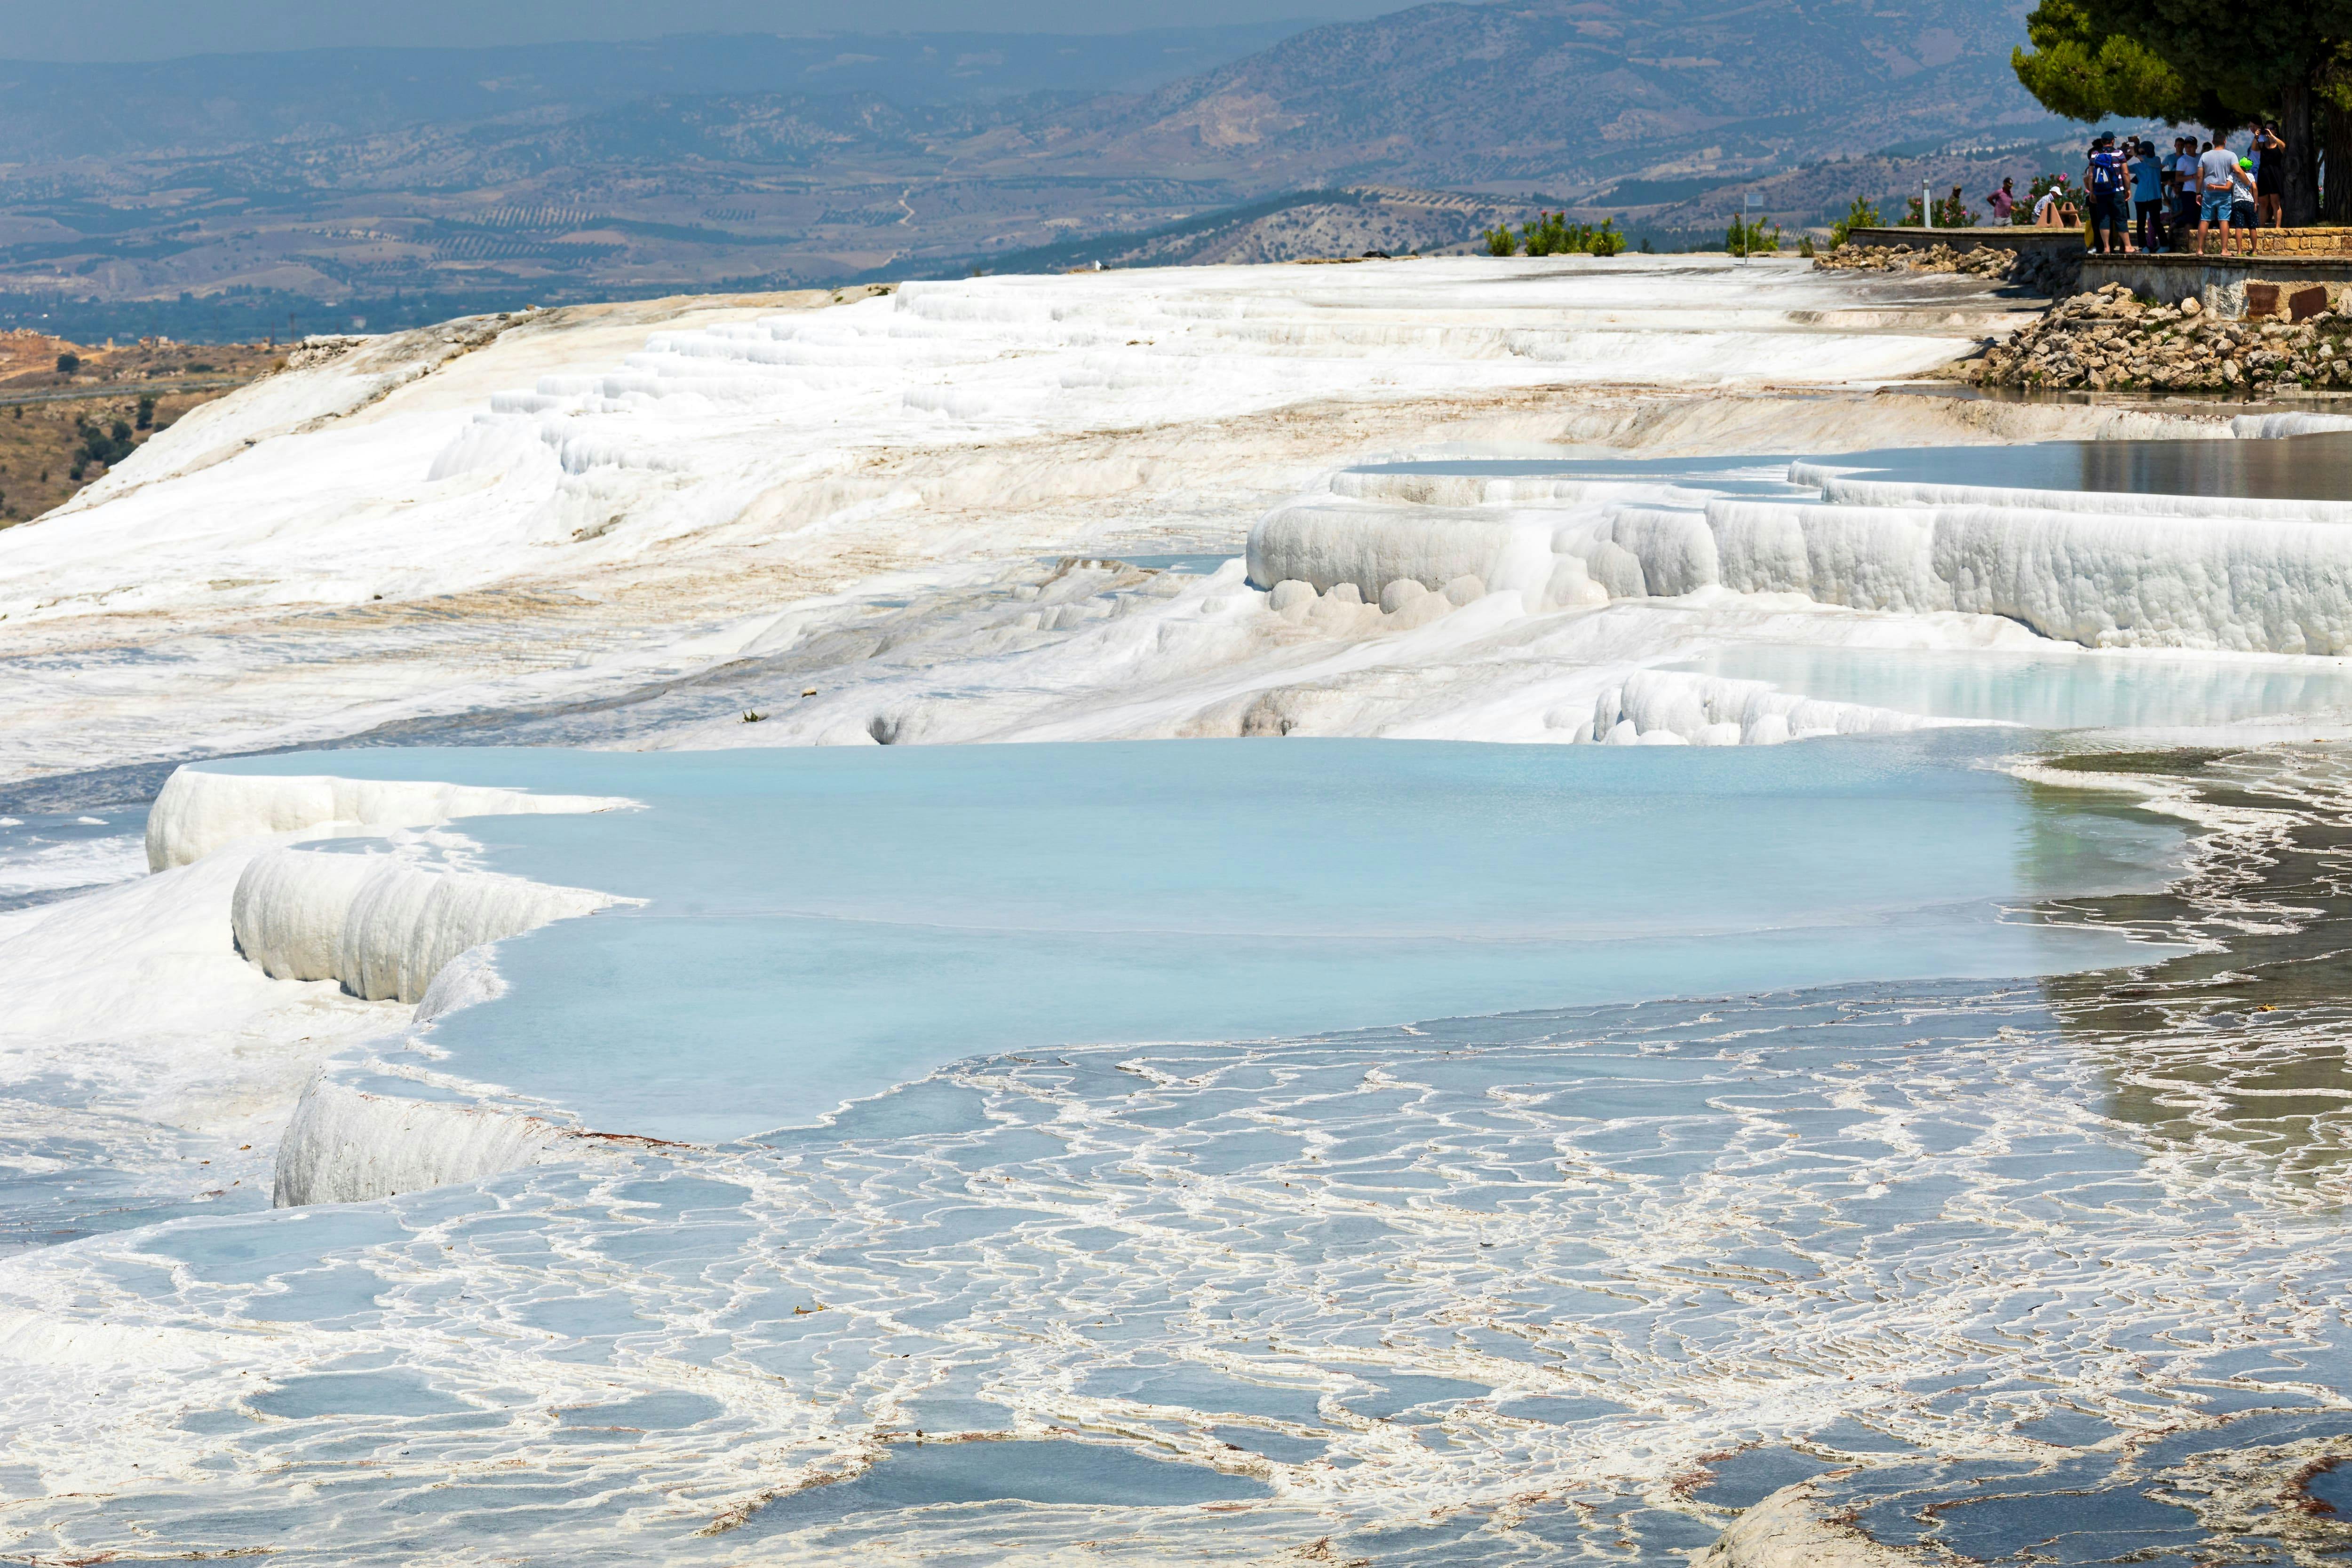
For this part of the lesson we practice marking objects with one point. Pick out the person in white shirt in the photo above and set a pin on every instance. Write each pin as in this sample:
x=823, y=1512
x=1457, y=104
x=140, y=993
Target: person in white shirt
x=2054, y=210
x=2184, y=184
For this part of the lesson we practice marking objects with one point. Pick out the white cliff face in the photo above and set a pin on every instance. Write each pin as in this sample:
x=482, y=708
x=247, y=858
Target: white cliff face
x=2097, y=571
x=381, y=927
x=345, y=1144
x=199, y=812
x=205, y=995
x=162, y=1045
x=1661, y=707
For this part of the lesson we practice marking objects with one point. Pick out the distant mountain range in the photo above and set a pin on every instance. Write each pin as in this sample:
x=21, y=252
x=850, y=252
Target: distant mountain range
x=214, y=103
x=1578, y=95
x=396, y=184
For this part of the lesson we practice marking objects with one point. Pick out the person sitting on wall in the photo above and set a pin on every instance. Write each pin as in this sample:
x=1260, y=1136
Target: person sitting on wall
x=2055, y=210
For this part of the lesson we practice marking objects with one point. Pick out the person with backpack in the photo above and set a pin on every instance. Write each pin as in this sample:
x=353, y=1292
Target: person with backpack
x=2104, y=181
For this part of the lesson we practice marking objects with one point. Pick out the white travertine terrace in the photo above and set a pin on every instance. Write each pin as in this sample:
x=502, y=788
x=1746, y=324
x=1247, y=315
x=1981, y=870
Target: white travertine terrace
x=345, y=1144
x=199, y=812
x=2099, y=570
x=881, y=492
x=381, y=927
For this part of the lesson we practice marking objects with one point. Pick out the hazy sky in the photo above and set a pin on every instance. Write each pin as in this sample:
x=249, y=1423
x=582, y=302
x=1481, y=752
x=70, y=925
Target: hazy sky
x=160, y=29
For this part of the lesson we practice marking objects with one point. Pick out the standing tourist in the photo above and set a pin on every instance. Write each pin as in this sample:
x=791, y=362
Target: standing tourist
x=2217, y=189
x=2243, y=213
x=2147, y=195
x=2104, y=181
x=2185, y=201
x=2003, y=202
x=2269, y=176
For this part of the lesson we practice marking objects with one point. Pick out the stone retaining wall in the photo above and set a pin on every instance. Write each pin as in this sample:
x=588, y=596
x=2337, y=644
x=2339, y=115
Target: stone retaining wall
x=2008, y=237
x=2038, y=269
x=2218, y=286
x=2304, y=241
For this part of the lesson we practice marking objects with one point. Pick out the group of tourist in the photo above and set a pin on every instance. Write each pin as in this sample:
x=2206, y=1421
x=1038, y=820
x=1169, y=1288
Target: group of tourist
x=2137, y=197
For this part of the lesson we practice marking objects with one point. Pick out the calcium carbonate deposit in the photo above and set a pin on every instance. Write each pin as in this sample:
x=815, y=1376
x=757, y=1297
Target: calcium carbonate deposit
x=1427, y=912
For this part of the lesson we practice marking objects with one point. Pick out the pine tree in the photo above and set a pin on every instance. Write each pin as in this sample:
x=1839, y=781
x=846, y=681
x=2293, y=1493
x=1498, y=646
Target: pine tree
x=2162, y=59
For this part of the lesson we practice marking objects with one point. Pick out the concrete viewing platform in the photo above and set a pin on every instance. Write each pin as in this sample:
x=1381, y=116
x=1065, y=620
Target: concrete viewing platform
x=2005, y=236
x=2290, y=261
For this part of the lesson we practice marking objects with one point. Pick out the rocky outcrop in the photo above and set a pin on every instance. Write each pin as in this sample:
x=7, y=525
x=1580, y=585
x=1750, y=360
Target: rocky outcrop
x=2111, y=340
x=1795, y=1528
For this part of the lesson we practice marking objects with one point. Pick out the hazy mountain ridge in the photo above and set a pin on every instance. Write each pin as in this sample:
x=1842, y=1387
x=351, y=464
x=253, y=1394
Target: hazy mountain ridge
x=572, y=192
x=211, y=103
x=1474, y=95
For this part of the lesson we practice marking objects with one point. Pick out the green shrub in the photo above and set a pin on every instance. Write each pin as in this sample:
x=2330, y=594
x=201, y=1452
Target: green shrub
x=1500, y=241
x=1552, y=235
x=1746, y=236
x=1805, y=247
x=108, y=447
x=1861, y=215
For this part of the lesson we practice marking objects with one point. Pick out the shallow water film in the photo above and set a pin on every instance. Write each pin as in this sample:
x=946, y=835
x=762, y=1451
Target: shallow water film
x=1485, y=1291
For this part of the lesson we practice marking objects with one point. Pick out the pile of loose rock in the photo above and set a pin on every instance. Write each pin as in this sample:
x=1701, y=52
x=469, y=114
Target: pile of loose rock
x=320, y=350
x=2112, y=340
x=2042, y=269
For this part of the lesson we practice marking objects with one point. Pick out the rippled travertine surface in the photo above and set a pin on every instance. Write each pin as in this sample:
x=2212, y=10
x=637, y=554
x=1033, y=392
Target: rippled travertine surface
x=1496, y=1290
